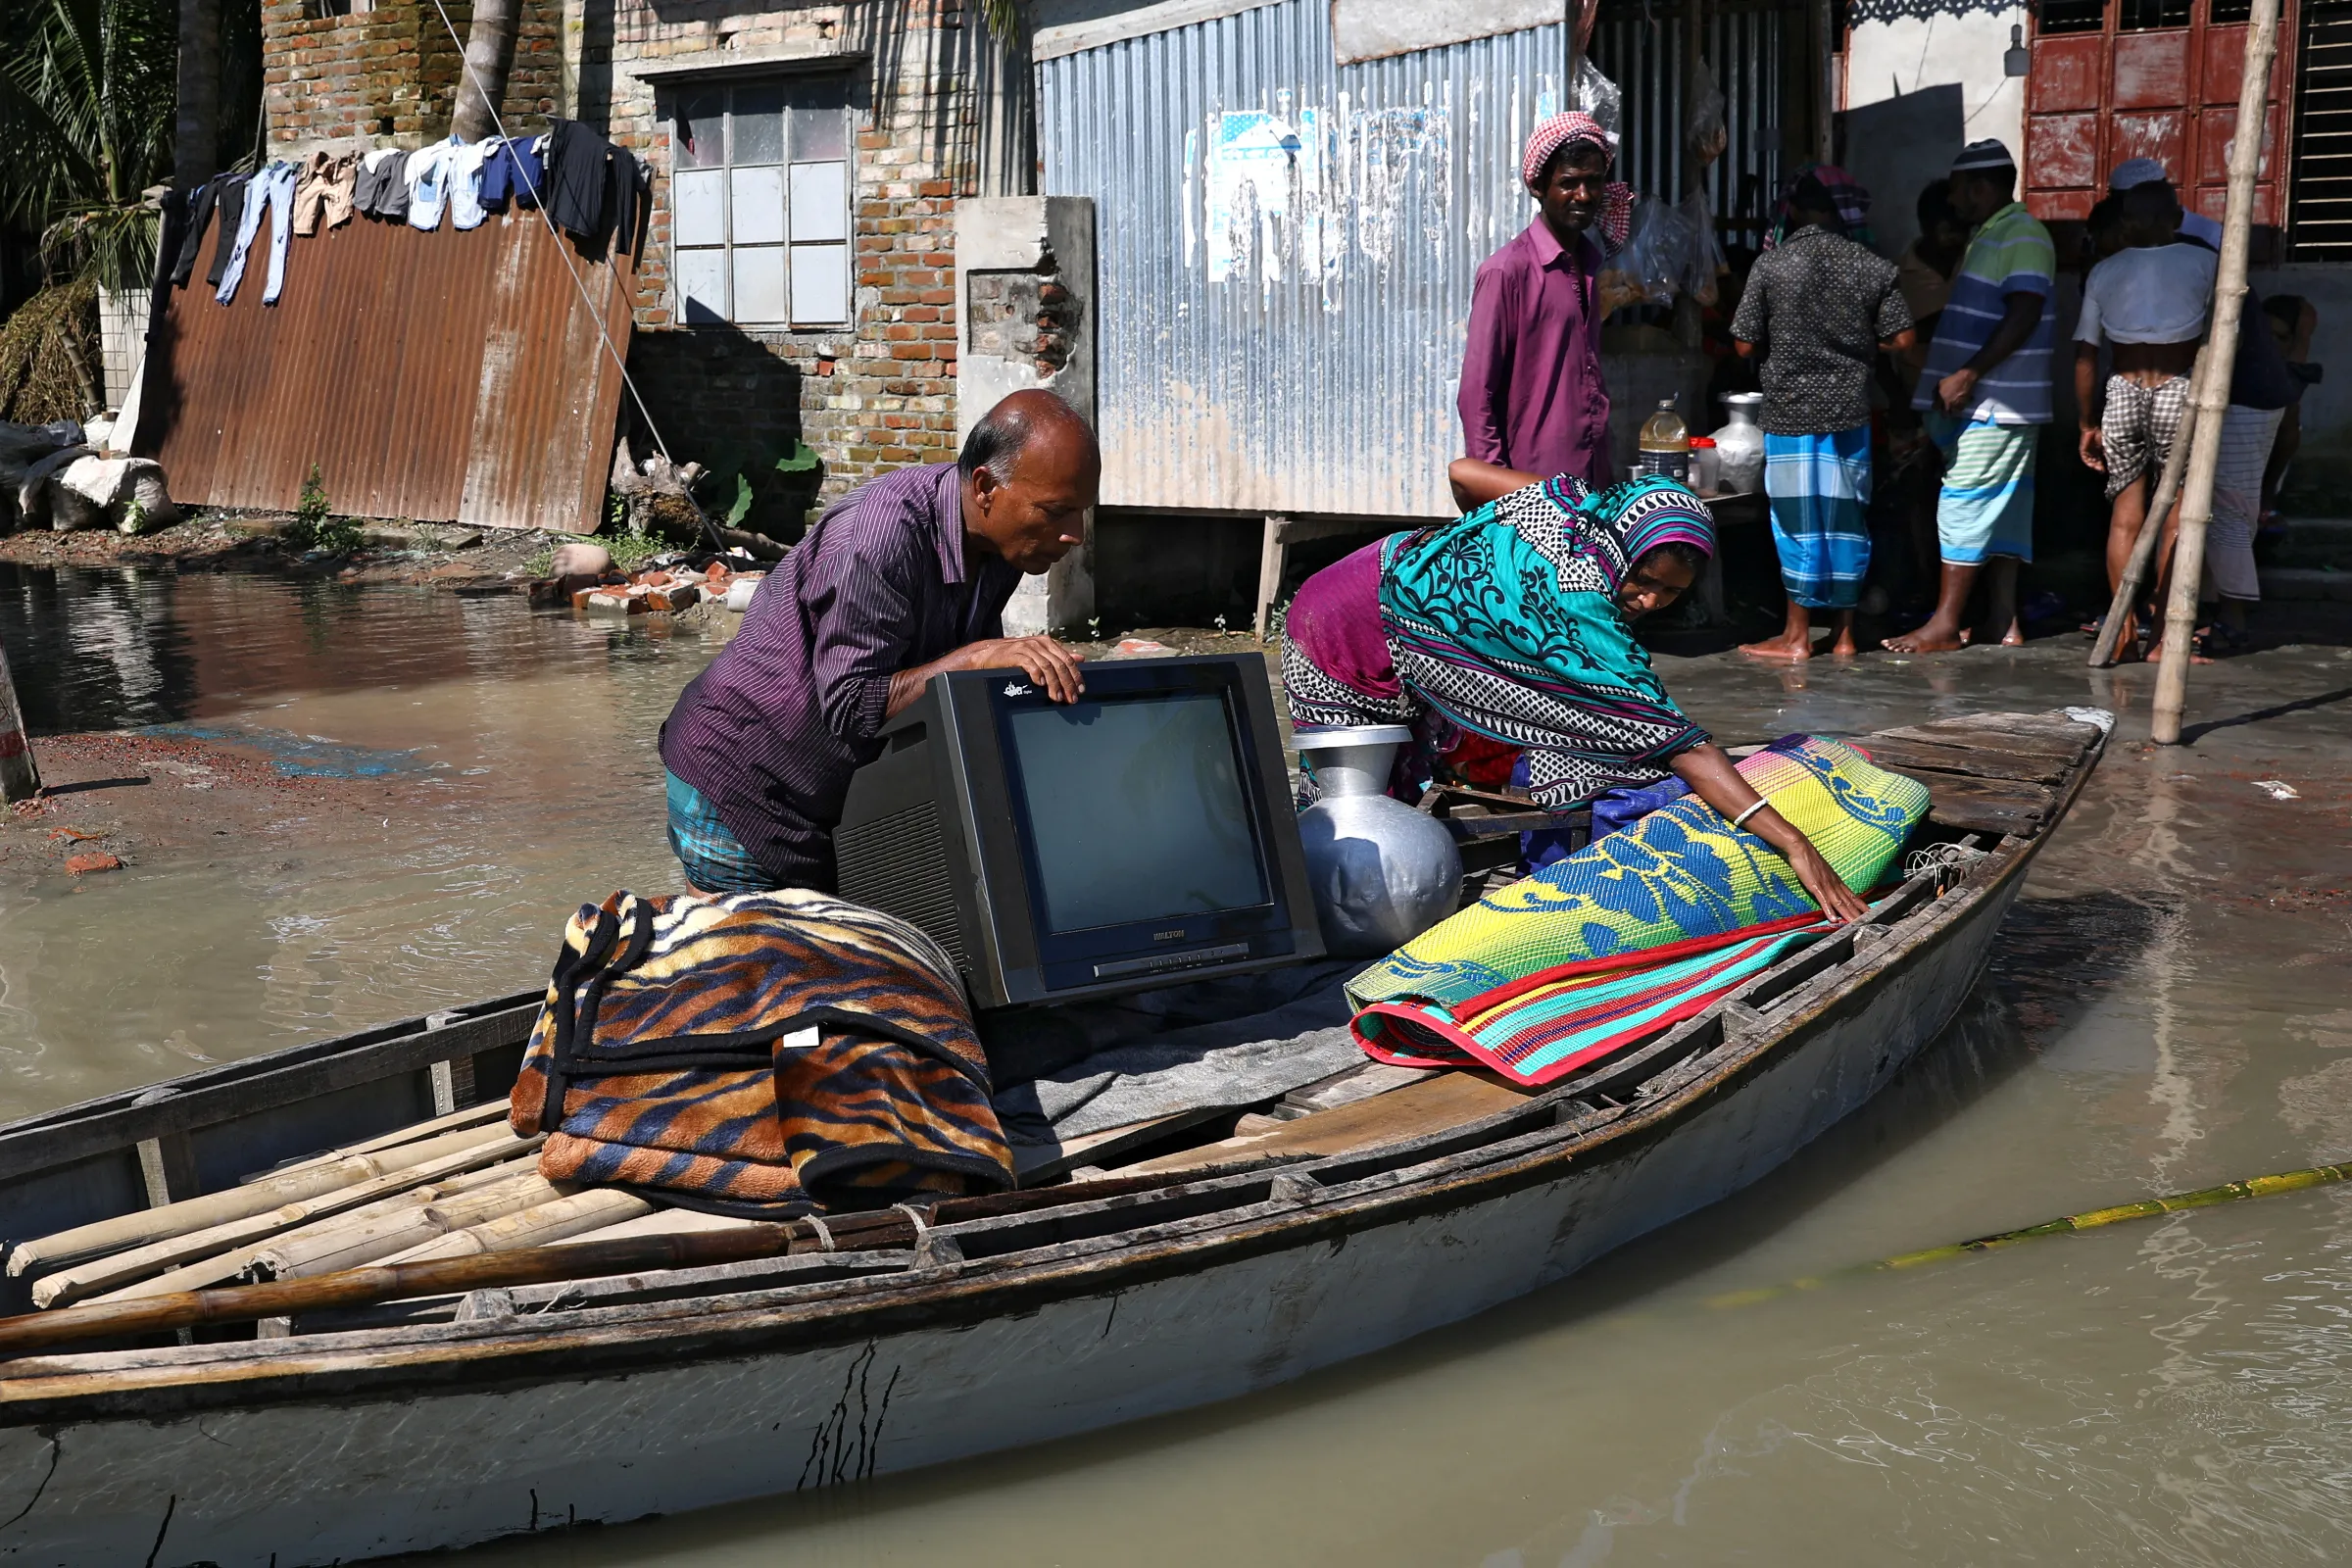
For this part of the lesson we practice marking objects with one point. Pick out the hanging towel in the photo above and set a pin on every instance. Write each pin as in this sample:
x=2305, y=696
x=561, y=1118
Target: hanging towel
x=1678, y=874
x=465, y=184
x=758, y=1054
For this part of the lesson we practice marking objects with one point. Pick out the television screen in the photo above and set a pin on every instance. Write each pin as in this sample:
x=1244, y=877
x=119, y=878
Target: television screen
x=1137, y=810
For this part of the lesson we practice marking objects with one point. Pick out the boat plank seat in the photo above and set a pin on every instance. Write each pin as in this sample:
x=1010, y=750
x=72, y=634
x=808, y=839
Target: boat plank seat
x=1445, y=1098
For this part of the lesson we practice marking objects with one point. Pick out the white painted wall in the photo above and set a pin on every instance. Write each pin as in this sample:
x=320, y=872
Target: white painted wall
x=1917, y=90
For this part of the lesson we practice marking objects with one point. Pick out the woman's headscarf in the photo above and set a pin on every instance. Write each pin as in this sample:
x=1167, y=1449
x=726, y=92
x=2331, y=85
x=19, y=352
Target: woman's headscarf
x=1632, y=518
x=1571, y=128
x=1851, y=200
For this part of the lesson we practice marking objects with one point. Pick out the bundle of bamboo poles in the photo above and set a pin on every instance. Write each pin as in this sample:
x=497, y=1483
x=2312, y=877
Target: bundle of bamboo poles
x=457, y=1186
x=2196, y=457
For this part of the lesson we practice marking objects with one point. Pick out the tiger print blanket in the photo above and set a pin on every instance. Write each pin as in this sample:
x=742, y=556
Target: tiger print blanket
x=758, y=1054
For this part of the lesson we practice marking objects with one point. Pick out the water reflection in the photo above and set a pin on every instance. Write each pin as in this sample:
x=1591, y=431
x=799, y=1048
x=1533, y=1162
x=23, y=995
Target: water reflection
x=117, y=649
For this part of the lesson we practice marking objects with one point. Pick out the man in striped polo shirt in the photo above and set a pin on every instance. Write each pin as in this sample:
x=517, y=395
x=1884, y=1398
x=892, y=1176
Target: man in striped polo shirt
x=1986, y=395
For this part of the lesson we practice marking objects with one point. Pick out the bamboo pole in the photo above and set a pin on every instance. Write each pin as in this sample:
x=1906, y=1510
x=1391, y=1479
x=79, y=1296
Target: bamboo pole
x=2124, y=605
x=2212, y=395
x=20, y=776
x=106, y=1272
x=258, y=1198
x=577, y=1258
x=222, y=1268
x=560, y=1218
x=2292, y=1180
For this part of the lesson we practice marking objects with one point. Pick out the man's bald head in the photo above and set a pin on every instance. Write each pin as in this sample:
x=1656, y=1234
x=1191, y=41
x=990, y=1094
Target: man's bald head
x=1031, y=472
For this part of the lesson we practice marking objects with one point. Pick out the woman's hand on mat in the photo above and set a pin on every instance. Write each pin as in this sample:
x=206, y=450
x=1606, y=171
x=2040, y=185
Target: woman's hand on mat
x=2094, y=451
x=1043, y=659
x=1956, y=391
x=1821, y=879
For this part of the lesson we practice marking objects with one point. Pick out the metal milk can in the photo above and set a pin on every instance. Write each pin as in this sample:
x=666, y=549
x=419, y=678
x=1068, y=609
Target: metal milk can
x=1382, y=872
x=1739, y=445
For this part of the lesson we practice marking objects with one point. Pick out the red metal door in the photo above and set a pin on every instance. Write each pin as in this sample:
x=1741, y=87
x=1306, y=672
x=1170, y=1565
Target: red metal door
x=2116, y=79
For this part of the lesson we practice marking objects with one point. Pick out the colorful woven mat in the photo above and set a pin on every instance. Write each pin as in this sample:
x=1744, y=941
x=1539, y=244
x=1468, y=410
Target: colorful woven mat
x=1637, y=930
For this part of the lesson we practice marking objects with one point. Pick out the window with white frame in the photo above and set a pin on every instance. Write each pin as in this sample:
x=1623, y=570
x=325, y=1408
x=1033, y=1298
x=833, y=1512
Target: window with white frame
x=759, y=221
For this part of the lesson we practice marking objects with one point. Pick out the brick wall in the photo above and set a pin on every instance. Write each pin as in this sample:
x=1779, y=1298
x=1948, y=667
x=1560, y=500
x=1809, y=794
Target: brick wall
x=390, y=75
x=880, y=394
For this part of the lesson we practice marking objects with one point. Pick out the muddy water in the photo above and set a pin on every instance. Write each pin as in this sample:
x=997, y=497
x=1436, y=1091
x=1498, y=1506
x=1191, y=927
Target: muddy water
x=2171, y=1006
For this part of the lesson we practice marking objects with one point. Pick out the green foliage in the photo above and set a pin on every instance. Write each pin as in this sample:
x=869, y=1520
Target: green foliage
x=86, y=101
x=632, y=551
x=313, y=527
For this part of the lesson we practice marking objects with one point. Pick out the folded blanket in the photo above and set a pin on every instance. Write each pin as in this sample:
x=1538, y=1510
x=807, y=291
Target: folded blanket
x=1636, y=930
x=757, y=1053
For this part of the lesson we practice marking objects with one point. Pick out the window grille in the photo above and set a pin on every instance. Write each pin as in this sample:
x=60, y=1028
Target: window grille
x=760, y=203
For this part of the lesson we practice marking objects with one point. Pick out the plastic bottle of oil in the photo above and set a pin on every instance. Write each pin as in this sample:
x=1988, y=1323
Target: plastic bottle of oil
x=1666, y=444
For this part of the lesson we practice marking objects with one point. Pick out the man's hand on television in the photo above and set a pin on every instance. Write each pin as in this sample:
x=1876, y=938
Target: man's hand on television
x=1050, y=663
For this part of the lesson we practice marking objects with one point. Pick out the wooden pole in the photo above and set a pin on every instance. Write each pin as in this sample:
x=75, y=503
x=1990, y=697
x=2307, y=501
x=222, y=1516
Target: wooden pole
x=19, y=777
x=2151, y=531
x=2212, y=393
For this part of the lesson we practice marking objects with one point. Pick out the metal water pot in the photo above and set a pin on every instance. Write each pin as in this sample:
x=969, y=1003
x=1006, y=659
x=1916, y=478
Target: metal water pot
x=1739, y=445
x=1382, y=872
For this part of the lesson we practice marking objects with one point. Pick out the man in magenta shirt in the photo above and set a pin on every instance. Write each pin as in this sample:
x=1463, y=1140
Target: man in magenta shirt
x=1532, y=396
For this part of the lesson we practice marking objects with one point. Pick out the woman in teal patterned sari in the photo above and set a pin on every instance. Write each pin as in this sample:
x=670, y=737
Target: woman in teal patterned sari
x=1509, y=630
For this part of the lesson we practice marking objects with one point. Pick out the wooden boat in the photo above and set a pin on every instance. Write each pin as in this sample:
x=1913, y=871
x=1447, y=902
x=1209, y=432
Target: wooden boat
x=1200, y=1263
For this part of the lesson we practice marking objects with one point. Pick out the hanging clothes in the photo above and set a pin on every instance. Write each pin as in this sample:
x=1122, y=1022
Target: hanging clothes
x=325, y=190
x=200, y=214
x=513, y=173
x=577, y=180
x=279, y=191
x=381, y=190
x=256, y=199
x=429, y=176
x=232, y=205
x=465, y=184
x=625, y=194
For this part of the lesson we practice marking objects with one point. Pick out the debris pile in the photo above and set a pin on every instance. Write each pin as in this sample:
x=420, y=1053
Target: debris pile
x=55, y=476
x=666, y=585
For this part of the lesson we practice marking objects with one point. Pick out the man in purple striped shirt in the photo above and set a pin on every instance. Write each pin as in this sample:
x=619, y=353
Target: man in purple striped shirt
x=903, y=578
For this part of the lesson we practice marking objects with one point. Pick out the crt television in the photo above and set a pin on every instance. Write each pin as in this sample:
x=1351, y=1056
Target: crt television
x=1141, y=835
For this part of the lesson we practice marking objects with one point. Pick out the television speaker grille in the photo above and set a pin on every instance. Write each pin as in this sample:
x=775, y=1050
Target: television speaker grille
x=898, y=864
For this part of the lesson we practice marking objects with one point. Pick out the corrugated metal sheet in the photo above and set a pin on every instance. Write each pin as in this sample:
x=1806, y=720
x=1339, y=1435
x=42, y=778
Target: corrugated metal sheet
x=455, y=376
x=1285, y=251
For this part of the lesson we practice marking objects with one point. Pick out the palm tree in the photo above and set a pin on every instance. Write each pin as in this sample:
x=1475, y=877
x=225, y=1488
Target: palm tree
x=86, y=118
x=489, y=56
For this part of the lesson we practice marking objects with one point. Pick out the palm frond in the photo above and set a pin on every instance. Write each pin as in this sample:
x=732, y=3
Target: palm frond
x=87, y=89
x=1003, y=18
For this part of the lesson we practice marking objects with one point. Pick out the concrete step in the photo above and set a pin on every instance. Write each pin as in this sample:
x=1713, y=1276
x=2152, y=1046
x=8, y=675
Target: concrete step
x=2321, y=542
x=2307, y=583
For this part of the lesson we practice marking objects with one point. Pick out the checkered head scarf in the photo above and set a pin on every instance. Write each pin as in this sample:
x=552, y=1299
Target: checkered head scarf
x=1567, y=129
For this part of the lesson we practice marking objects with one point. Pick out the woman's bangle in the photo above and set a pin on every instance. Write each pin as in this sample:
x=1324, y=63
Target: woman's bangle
x=1740, y=821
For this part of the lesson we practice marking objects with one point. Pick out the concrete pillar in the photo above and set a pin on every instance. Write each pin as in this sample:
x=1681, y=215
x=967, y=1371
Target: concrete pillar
x=1025, y=299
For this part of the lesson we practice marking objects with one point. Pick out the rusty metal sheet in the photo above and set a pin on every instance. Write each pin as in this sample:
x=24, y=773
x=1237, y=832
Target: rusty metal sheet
x=454, y=376
x=2151, y=70
x=2159, y=135
x=2063, y=150
x=2067, y=72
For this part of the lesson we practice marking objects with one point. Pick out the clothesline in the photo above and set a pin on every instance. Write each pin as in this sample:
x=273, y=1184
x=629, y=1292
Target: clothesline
x=590, y=188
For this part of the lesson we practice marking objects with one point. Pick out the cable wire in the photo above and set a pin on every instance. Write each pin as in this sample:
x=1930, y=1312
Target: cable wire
x=563, y=250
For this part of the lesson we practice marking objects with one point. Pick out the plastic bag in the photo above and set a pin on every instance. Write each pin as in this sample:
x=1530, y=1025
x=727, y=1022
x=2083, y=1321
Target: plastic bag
x=1704, y=131
x=1656, y=261
x=1706, y=264
x=1597, y=95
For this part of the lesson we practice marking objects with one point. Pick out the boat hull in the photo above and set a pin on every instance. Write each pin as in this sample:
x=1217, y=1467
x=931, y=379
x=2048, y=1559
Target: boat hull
x=332, y=1476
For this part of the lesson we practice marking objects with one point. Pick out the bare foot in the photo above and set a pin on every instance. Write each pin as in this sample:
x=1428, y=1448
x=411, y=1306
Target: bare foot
x=1781, y=647
x=1845, y=647
x=1936, y=637
x=2013, y=636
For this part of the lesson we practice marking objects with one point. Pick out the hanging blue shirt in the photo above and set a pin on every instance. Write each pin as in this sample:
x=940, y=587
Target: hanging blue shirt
x=513, y=172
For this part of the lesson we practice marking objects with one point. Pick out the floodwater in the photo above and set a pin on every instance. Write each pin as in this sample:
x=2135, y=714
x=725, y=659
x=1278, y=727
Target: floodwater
x=2171, y=1006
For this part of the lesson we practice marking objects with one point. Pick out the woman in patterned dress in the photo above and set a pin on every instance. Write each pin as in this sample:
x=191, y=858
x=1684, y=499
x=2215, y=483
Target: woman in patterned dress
x=1504, y=637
